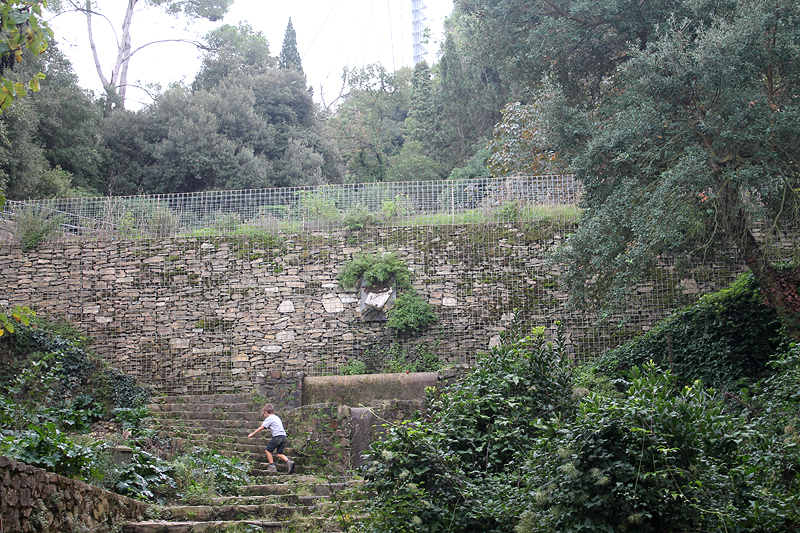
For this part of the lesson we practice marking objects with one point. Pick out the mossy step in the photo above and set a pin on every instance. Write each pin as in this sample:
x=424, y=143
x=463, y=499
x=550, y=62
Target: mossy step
x=239, y=433
x=203, y=416
x=231, y=448
x=208, y=513
x=288, y=498
x=163, y=526
x=241, y=397
x=218, y=407
x=308, y=483
x=206, y=415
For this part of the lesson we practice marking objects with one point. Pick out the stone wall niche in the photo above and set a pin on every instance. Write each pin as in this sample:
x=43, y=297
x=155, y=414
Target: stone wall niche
x=375, y=302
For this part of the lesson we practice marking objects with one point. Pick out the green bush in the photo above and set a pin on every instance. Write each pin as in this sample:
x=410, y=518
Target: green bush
x=353, y=368
x=376, y=271
x=725, y=338
x=459, y=470
x=201, y=473
x=410, y=314
x=146, y=477
x=45, y=446
x=360, y=217
x=662, y=457
x=34, y=224
x=77, y=369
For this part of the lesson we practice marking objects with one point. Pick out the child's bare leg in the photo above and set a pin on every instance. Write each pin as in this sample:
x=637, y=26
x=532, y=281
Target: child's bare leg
x=282, y=457
x=269, y=456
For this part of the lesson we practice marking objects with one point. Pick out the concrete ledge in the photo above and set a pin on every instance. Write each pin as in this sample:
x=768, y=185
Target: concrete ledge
x=363, y=389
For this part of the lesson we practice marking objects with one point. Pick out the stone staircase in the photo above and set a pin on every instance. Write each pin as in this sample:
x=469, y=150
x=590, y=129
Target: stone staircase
x=307, y=500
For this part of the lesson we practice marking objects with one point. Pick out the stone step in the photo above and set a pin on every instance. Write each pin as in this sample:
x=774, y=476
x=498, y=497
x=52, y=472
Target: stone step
x=230, y=448
x=206, y=416
x=221, y=433
x=202, y=398
x=208, y=513
x=163, y=526
x=288, y=498
x=316, y=488
x=244, y=424
x=217, y=407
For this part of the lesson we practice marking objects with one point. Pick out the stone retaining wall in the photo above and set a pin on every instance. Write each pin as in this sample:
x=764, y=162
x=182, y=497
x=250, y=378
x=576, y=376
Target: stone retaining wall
x=34, y=500
x=219, y=314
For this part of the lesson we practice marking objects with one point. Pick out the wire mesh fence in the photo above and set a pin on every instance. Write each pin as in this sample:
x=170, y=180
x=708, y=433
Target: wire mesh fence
x=297, y=209
x=210, y=292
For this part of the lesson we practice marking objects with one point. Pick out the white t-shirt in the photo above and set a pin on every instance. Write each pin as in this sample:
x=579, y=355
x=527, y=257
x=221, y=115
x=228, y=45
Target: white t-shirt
x=274, y=424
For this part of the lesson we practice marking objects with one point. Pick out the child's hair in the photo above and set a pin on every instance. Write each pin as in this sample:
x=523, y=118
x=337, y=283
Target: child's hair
x=269, y=409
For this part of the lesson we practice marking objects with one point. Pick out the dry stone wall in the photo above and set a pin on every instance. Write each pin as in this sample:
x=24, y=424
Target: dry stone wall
x=34, y=500
x=222, y=313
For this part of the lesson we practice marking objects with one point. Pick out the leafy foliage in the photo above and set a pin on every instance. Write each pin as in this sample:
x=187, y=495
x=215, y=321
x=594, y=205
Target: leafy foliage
x=725, y=338
x=45, y=446
x=410, y=314
x=70, y=368
x=459, y=469
x=24, y=27
x=353, y=368
x=659, y=458
x=202, y=472
x=368, y=124
x=376, y=270
x=518, y=144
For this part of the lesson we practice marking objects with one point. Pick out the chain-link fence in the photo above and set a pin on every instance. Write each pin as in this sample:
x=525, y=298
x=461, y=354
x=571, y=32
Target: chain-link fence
x=212, y=291
x=296, y=209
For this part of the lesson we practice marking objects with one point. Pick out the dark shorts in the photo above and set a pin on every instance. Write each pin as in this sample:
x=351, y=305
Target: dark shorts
x=277, y=444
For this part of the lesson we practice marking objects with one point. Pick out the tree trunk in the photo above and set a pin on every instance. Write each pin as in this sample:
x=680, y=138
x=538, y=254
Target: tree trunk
x=780, y=289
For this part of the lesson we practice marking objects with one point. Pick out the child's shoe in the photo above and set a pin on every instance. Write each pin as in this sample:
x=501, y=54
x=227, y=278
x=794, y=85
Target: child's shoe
x=272, y=468
x=289, y=466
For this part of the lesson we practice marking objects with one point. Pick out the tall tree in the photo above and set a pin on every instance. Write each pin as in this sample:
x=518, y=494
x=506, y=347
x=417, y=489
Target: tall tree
x=233, y=49
x=421, y=122
x=579, y=44
x=369, y=121
x=55, y=134
x=115, y=80
x=290, y=57
x=469, y=101
x=687, y=138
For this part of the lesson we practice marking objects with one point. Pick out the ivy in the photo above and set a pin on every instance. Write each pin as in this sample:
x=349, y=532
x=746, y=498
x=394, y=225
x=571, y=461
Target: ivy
x=725, y=339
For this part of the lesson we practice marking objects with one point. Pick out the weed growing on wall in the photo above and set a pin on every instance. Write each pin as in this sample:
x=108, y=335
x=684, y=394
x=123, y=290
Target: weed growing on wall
x=33, y=224
x=410, y=315
x=376, y=270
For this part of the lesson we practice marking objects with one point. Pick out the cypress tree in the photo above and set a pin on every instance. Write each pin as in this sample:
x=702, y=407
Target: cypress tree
x=290, y=57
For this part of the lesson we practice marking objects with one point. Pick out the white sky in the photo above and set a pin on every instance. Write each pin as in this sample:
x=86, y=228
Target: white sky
x=331, y=34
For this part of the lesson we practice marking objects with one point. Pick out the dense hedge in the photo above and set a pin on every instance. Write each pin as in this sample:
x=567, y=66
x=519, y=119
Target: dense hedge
x=726, y=338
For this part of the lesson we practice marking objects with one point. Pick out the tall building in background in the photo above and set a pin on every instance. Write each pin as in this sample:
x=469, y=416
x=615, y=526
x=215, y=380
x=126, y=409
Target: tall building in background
x=418, y=26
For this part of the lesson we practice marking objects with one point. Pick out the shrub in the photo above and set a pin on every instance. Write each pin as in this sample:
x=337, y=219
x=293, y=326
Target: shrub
x=410, y=314
x=376, y=271
x=723, y=339
x=360, y=217
x=34, y=224
x=45, y=446
x=660, y=458
x=459, y=469
x=353, y=368
x=146, y=477
x=203, y=473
